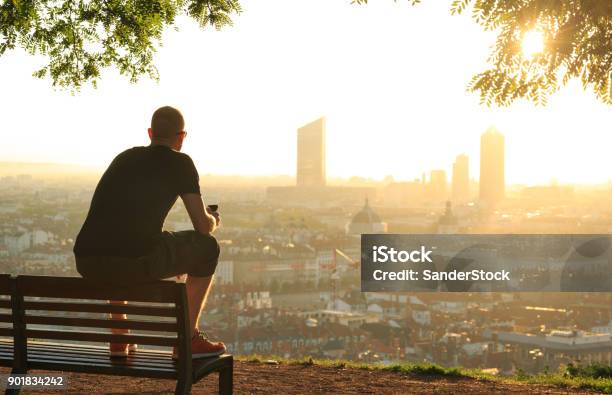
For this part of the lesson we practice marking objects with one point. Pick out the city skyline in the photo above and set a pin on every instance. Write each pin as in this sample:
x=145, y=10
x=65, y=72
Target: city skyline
x=311, y=168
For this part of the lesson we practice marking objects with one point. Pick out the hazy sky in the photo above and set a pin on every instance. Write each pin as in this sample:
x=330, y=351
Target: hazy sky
x=389, y=77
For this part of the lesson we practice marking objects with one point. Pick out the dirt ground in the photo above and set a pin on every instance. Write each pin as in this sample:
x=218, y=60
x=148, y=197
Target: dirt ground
x=257, y=378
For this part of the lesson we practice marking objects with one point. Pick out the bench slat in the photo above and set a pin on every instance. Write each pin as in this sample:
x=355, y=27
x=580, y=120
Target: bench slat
x=140, y=356
x=101, y=337
x=5, y=304
x=79, y=288
x=158, y=311
x=6, y=318
x=88, y=349
x=103, y=360
x=6, y=349
x=101, y=323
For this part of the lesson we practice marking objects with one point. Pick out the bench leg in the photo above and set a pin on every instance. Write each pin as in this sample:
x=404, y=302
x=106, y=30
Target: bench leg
x=14, y=391
x=226, y=380
x=183, y=387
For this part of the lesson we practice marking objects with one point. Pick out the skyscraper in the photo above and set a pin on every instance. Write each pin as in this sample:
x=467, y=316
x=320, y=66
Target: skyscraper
x=461, y=179
x=311, y=154
x=492, y=167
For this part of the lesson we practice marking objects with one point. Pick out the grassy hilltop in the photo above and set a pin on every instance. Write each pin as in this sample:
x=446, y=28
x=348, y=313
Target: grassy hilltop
x=272, y=375
x=594, y=377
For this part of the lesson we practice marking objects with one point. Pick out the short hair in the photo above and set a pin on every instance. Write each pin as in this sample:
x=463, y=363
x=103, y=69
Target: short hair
x=166, y=122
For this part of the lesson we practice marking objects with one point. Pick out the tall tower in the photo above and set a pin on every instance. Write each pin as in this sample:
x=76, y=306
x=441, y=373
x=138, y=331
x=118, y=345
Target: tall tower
x=461, y=179
x=311, y=154
x=492, y=167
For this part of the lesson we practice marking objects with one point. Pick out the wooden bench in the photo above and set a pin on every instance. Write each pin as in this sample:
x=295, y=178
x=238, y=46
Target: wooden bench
x=42, y=304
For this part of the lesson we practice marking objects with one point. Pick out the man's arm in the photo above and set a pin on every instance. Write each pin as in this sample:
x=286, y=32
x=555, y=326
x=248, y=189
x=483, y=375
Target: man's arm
x=201, y=219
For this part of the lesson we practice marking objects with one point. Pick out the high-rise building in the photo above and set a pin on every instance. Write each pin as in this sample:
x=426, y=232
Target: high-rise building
x=492, y=167
x=461, y=179
x=311, y=154
x=437, y=185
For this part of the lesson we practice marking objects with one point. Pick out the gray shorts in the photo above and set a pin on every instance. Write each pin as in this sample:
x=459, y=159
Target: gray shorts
x=185, y=252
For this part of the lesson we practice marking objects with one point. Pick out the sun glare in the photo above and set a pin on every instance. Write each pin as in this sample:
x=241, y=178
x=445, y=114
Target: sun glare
x=533, y=43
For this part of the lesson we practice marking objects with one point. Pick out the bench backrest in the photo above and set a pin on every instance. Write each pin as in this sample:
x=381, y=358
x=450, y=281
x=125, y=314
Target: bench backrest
x=69, y=303
x=6, y=313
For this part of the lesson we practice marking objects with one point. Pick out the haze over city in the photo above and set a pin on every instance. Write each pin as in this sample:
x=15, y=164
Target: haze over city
x=395, y=103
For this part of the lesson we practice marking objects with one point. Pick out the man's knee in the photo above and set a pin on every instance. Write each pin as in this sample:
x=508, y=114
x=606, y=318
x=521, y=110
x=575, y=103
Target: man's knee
x=209, y=244
x=207, y=256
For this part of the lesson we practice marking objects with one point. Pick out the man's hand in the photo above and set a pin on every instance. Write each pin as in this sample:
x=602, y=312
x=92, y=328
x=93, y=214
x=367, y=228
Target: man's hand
x=214, y=214
x=201, y=219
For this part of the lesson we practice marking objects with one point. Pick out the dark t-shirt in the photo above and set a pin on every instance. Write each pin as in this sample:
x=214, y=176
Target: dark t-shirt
x=132, y=201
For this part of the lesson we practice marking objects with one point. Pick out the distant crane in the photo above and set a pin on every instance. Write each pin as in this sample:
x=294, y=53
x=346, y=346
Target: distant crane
x=335, y=275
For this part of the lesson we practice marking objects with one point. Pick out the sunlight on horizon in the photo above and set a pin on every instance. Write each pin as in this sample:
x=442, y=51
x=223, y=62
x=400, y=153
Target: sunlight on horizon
x=396, y=104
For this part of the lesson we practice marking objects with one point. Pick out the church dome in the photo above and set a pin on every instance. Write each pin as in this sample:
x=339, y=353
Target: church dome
x=366, y=215
x=366, y=221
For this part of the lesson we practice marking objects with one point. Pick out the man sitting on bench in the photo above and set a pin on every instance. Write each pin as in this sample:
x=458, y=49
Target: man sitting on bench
x=122, y=241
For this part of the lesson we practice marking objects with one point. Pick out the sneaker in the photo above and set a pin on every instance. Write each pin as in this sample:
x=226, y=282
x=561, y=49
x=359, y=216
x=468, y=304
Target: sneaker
x=121, y=350
x=201, y=347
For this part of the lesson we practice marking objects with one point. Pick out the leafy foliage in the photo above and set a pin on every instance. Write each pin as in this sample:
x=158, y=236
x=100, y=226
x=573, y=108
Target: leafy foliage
x=577, y=44
x=82, y=37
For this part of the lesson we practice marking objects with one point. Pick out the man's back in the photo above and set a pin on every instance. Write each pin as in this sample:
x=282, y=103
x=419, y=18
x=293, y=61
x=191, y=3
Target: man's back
x=121, y=241
x=132, y=200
